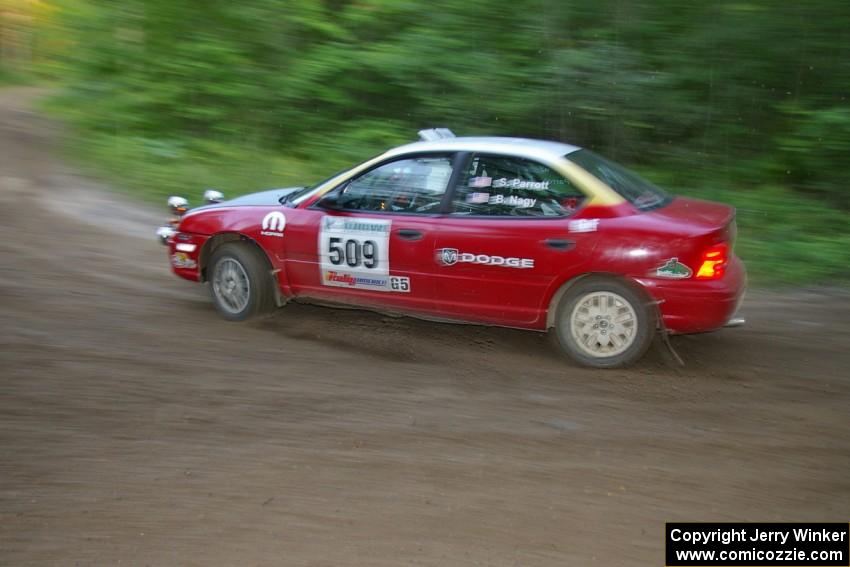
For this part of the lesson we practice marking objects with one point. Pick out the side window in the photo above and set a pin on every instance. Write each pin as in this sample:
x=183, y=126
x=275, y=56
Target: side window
x=516, y=187
x=411, y=185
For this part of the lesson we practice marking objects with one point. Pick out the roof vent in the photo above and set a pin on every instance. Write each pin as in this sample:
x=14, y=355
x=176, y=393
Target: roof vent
x=431, y=134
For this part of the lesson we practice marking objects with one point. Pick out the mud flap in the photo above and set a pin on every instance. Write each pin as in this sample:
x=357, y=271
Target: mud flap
x=665, y=335
x=279, y=299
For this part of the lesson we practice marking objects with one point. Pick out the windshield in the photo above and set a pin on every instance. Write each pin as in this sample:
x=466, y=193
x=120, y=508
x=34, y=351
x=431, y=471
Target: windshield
x=292, y=198
x=632, y=187
x=295, y=198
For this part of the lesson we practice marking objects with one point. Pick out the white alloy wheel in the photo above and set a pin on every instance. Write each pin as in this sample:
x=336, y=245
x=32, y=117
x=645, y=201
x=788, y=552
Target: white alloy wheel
x=603, y=324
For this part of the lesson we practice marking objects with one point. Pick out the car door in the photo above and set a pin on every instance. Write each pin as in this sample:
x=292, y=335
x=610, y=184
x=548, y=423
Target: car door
x=506, y=241
x=370, y=241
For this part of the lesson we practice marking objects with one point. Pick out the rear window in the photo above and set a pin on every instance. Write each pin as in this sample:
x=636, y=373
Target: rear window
x=631, y=186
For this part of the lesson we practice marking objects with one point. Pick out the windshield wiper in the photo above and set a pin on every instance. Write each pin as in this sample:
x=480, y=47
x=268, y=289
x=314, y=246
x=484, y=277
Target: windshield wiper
x=291, y=195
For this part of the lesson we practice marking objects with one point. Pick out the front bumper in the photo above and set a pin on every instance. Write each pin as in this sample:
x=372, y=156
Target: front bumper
x=184, y=253
x=694, y=306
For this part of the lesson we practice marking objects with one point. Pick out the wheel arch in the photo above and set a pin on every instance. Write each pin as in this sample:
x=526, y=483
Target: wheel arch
x=552, y=309
x=217, y=240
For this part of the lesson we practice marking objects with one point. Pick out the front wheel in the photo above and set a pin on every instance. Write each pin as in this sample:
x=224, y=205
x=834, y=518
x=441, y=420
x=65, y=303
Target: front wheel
x=604, y=323
x=240, y=283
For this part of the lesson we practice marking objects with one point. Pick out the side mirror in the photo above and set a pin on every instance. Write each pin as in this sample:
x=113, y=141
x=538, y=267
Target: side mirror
x=330, y=202
x=213, y=196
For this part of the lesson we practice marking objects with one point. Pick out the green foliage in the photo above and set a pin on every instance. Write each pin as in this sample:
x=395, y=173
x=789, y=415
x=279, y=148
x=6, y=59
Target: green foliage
x=10, y=78
x=153, y=169
x=816, y=151
x=741, y=100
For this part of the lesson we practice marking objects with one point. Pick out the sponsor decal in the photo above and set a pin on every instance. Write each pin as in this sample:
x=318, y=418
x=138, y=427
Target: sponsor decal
x=183, y=261
x=673, y=268
x=584, y=225
x=355, y=253
x=273, y=224
x=447, y=256
x=336, y=277
x=348, y=280
x=452, y=256
x=184, y=247
x=370, y=226
x=479, y=182
x=520, y=184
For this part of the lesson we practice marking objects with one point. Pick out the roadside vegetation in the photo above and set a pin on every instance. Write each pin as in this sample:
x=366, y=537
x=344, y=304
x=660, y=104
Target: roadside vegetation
x=743, y=102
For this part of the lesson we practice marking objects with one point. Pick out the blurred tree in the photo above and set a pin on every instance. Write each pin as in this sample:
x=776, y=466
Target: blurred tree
x=739, y=91
x=17, y=34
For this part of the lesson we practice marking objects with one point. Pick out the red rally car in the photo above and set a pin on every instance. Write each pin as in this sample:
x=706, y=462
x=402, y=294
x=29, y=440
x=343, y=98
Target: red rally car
x=520, y=233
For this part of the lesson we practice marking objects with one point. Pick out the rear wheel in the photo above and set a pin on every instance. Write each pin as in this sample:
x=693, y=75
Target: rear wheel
x=240, y=284
x=604, y=323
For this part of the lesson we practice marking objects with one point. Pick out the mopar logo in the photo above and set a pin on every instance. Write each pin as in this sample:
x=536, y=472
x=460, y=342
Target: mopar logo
x=274, y=221
x=447, y=256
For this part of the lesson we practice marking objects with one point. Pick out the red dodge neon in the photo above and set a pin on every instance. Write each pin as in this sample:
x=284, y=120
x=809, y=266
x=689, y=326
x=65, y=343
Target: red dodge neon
x=501, y=231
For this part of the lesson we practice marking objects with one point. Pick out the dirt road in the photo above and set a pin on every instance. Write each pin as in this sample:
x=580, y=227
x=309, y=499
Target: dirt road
x=139, y=428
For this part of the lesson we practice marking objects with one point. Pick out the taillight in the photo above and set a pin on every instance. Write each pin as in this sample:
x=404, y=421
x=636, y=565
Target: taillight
x=713, y=262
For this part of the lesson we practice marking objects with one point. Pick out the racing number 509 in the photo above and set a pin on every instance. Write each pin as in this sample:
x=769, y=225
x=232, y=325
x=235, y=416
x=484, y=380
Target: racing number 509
x=352, y=252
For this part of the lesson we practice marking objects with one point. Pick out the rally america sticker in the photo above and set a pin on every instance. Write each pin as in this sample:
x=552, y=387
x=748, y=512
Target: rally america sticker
x=355, y=253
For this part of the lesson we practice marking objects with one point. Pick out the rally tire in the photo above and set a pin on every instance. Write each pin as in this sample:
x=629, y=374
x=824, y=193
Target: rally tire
x=240, y=282
x=605, y=323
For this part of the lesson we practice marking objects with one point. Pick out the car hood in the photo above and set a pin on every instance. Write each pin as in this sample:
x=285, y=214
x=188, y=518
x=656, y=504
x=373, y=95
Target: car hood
x=259, y=199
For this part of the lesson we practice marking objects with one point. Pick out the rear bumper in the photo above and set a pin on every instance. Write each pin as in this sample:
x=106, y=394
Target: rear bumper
x=693, y=306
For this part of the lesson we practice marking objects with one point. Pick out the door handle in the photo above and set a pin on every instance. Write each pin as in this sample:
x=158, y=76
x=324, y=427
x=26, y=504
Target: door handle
x=559, y=243
x=409, y=234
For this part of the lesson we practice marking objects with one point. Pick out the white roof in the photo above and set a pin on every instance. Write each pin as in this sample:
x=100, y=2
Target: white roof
x=490, y=144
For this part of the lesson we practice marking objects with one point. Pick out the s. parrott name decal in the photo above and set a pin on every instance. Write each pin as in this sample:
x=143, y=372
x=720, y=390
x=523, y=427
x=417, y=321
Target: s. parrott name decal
x=520, y=184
